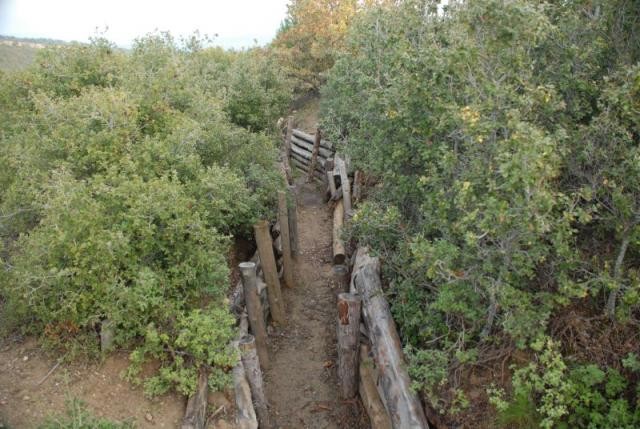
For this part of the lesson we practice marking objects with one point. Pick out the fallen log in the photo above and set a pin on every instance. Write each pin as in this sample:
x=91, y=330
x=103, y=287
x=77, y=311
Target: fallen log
x=195, y=416
x=310, y=138
x=268, y=261
x=371, y=401
x=339, y=254
x=401, y=402
x=348, y=350
x=254, y=310
x=251, y=364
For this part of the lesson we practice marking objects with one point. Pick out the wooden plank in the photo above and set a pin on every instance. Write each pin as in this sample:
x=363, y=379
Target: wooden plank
x=346, y=188
x=268, y=262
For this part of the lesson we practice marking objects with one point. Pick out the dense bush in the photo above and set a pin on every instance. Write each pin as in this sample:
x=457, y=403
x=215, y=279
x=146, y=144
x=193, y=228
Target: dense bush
x=124, y=176
x=505, y=139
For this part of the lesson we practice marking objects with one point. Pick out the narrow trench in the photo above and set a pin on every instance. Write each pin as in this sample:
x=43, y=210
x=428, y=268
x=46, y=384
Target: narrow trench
x=301, y=384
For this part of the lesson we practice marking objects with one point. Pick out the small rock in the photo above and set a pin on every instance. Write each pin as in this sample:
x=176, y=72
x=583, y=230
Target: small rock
x=148, y=417
x=26, y=358
x=25, y=398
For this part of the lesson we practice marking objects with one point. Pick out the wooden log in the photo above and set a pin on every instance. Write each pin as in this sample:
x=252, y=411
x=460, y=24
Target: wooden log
x=107, y=335
x=348, y=350
x=402, y=404
x=268, y=261
x=283, y=214
x=346, y=188
x=245, y=413
x=329, y=164
x=287, y=138
x=303, y=167
x=339, y=254
x=314, y=155
x=305, y=155
x=293, y=220
x=195, y=416
x=254, y=310
x=305, y=158
x=308, y=147
x=251, y=364
x=371, y=401
x=341, y=277
x=310, y=138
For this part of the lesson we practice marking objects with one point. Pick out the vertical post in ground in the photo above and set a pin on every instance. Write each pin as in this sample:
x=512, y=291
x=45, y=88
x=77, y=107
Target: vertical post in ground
x=268, y=263
x=293, y=220
x=283, y=214
x=349, y=306
x=252, y=370
x=254, y=308
x=314, y=155
x=287, y=139
x=346, y=187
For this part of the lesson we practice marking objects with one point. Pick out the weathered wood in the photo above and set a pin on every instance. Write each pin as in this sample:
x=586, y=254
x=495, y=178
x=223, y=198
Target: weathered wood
x=310, y=138
x=251, y=364
x=107, y=334
x=346, y=188
x=306, y=160
x=401, y=402
x=283, y=215
x=305, y=156
x=341, y=277
x=339, y=254
x=314, y=155
x=332, y=184
x=303, y=167
x=254, y=310
x=348, y=351
x=304, y=145
x=287, y=138
x=195, y=416
x=245, y=413
x=293, y=220
x=360, y=259
x=268, y=261
x=371, y=401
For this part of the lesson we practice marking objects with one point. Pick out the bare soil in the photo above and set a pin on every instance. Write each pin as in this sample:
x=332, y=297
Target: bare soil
x=301, y=384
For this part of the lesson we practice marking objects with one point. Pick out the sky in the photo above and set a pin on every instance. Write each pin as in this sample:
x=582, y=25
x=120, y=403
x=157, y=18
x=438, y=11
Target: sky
x=236, y=22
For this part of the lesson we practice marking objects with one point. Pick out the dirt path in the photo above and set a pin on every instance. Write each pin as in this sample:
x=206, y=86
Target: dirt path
x=302, y=385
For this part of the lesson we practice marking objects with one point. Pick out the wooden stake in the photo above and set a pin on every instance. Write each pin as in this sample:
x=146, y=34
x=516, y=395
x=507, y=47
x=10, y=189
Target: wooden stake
x=268, y=262
x=378, y=416
x=287, y=139
x=293, y=220
x=338, y=244
x=195, y=416
x=314, y=155
x=283, y=214
x=245, y=413
x=357, y=186
x=254, y=376
x=348, y=332
x=401, y=402
x=346, y=188
x=254, y=308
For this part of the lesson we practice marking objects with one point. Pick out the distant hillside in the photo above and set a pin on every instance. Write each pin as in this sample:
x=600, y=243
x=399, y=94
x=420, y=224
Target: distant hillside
x=18, y=53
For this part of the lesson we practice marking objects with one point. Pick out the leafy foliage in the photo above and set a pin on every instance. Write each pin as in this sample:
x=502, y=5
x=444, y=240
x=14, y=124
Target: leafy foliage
x=505, y=138
x=124, y=176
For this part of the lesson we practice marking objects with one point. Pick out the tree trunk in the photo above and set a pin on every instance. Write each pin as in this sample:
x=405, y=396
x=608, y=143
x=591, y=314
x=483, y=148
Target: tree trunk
x=195, y=416
x=253, y=373
x=338, y=244
x=314, y=155
x=283, y=214
x=268, y=262
x=348, y=350
x=254, y=309
x=401, y=402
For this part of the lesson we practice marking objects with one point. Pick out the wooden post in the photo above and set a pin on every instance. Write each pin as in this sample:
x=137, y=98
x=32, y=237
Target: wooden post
x=346, y=188
x=371, y=401
x=254, y=308
x=268, y=262
x=338, y=244
x=283, y=214
x=348, y=350
x=293, y=220
x=357, y=186
x=195, y=416
x=341, y=276
x=401, y=402
x=332, y=184
x=254, y=376
x=314, y=155
x=287, y=139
